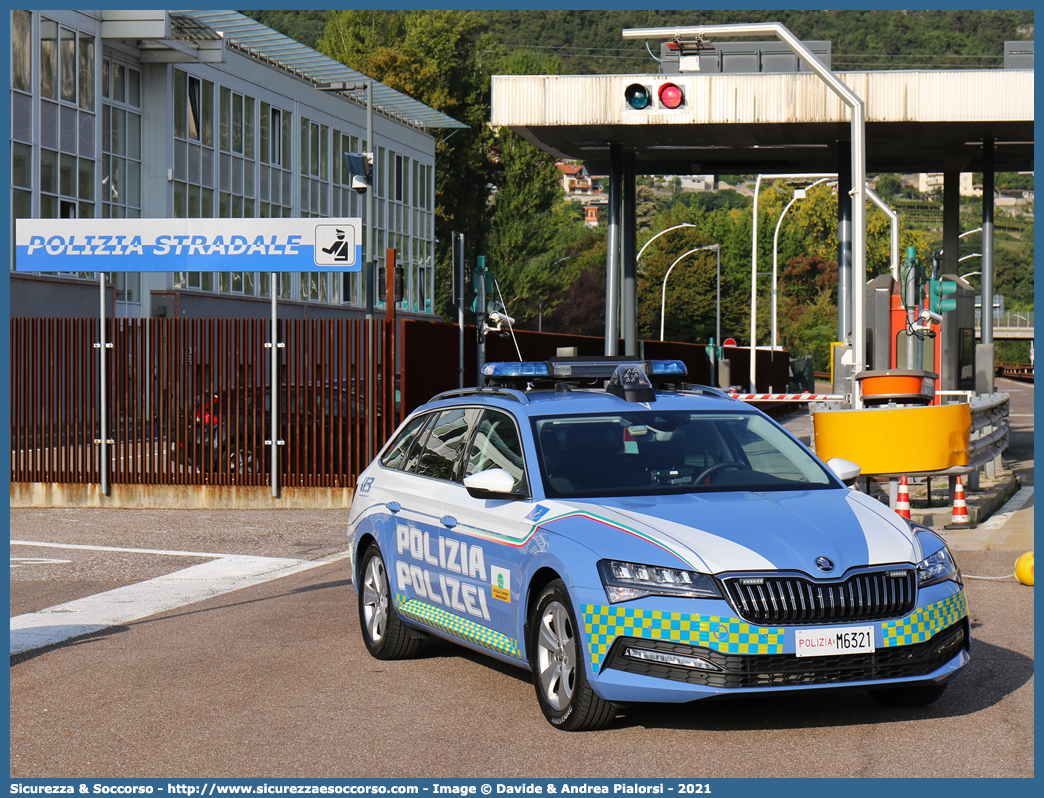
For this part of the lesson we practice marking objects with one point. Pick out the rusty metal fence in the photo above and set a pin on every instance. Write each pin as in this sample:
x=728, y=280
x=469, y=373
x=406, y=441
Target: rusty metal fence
x=189, y=400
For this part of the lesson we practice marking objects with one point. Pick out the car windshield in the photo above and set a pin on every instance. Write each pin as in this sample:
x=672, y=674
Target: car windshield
x=646, y=453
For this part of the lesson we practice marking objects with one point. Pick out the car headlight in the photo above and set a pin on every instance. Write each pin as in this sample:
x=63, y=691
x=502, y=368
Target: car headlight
x=624, y=581
x=938, y=567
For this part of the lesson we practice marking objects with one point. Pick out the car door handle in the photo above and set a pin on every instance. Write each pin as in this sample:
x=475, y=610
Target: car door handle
x=394, y=506
x=449, y=520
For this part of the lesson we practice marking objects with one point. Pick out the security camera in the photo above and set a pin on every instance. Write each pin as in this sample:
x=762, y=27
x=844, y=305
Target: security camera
x=928, y=315
x=499, y=318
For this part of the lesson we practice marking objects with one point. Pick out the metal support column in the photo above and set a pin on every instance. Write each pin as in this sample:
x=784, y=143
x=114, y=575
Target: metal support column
x=845, y=296
x=612, y=257
x=951, y=218
x=984, y=355
x=103, y=390
x=480, y=316
x=274, y=346
x=369, y=275
x=628, y=245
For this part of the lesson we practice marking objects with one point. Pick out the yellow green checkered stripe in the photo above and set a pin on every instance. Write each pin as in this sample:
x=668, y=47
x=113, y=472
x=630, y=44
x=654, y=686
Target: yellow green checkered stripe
x=455, y=625
x=727, y=635
x=925, y=621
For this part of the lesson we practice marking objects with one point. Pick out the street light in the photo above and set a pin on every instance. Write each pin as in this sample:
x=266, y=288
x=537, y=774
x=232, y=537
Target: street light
x=638, y=257
x=798, y=194
x=368, y=270
x=663, y=292
x=973, y=255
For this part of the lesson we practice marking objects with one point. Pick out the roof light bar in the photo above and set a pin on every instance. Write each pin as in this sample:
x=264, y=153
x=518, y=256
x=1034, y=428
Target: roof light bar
x=505, y=371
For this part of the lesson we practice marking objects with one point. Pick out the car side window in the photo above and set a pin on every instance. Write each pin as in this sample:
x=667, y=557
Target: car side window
x=395, y=456
x=496, y=444
x=447, y=436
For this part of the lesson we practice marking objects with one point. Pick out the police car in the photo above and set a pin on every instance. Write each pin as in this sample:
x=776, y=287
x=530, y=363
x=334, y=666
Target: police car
x=643, y=540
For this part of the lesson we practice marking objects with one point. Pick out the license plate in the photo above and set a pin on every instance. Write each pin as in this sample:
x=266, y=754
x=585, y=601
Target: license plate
x=827, y=641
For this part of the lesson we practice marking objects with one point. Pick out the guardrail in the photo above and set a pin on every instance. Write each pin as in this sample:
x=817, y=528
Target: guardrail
x=989, y=432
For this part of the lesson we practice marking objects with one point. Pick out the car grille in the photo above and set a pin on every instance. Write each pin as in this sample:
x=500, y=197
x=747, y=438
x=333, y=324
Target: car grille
x=784, y=670
x=795, y=599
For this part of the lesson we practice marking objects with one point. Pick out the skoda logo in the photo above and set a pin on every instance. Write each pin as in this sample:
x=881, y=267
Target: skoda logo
x=824, y=564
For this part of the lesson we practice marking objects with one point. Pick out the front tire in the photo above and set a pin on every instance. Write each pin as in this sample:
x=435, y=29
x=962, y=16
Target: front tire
x=384, y=633
x=914, y=695
x=559, y=675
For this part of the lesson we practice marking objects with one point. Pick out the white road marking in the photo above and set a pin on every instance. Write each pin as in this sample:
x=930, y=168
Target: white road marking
x=124, y=605
x=21, y=562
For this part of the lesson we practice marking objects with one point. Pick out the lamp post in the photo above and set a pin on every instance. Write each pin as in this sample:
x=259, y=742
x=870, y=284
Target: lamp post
x=663, y=291
x=638, y=257
x=368, y=270
x=798, y=194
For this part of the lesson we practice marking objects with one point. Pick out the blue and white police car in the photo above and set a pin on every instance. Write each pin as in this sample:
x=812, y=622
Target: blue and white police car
x=643, y=540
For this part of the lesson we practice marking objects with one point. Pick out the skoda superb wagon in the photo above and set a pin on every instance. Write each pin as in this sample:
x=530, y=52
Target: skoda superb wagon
x=645, y=541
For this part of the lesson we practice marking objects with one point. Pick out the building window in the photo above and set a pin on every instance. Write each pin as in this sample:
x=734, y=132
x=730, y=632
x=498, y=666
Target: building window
x=194, y=150
x=315, y=169
x=274, y=190
x=67, y=123
x=21, y=51
x=121, y=140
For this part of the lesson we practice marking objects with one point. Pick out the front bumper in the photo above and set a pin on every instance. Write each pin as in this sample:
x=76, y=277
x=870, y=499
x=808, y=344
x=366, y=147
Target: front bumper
x=928, y=645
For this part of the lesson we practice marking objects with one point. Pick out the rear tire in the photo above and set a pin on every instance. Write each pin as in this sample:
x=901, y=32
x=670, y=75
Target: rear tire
x=384, y=633
x=914, y=695
x=559, y=674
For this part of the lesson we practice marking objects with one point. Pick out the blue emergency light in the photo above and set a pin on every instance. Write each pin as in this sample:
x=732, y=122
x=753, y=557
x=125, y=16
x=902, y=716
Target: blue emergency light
x=581, y=369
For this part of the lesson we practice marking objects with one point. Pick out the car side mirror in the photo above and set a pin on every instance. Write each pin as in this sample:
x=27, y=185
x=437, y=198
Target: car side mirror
x=845, y=470
x=494, y=483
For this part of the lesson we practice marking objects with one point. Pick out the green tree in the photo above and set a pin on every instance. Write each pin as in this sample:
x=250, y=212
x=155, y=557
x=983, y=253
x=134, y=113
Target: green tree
x=888, y=185
x=435, y=57
x=523, y=207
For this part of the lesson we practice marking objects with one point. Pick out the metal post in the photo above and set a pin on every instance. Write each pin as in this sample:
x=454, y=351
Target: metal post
x=987, y=241
x=985, y=357
x=628, y=287
x=480, y=314
x=370, y=275
x=717, y=297
x=103, y=390
x=612, y=259
x=775, y=268
x=274, y=346
x=457, y=240
x=911, y=298
x=754, y=292
x=845, y=294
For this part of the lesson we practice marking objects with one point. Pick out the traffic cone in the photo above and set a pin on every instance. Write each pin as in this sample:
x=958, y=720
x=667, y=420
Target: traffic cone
x=960, y=507
x=902, y=502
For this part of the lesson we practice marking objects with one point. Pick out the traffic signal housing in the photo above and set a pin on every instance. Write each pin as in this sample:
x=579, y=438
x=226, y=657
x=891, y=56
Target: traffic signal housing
x=939, y=300
x=639, y=96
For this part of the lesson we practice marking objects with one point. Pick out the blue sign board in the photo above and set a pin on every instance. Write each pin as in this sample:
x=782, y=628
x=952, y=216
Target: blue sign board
x=193, y=245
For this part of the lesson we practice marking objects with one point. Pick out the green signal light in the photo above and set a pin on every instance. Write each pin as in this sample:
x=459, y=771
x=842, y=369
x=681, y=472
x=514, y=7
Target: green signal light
x=939, y=300
x=637, y=96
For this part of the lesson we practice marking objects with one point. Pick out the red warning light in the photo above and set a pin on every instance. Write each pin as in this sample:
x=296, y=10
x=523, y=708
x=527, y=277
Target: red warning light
x=670, y=96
